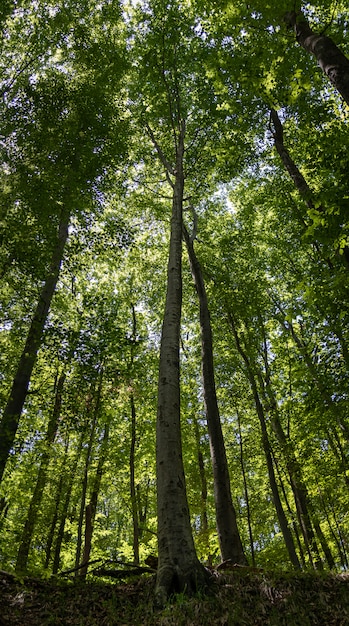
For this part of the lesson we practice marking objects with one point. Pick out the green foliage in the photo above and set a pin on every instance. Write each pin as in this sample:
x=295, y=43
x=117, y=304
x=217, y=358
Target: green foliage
x=81, y=87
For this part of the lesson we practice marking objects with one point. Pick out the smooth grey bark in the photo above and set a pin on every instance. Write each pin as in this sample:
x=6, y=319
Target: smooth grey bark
x=228, y=533
x=287, y=535
x=14, y=407
x=299, y=181
x=330, y=58
x=179, y=568
x=27, y=533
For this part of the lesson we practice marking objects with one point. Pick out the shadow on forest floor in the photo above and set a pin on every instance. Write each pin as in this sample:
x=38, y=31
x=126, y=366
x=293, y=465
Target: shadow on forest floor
x=240, y=597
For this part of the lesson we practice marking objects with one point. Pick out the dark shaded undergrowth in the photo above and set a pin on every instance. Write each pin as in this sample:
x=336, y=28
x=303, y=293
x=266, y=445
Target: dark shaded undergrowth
x=238, y=597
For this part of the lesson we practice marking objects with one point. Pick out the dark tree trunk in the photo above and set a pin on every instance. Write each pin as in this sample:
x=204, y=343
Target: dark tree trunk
x=293, y=467
x=23, y=552
x=330, y=58
x=64, y=511
x=133, y=491
x=58, y=497
x=13, y=410
x=135, y=521
x=287, y=535
x=95, y=416
x=228, y=534
x=242, y=463
x=179, y=568
x=203, y=482
x=91, y=508
x=299, y=181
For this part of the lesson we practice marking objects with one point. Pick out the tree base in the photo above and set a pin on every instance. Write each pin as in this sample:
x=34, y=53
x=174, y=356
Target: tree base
x=172, y=579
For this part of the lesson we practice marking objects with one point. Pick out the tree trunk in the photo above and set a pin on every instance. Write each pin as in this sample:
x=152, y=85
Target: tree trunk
x=203, y=516
x=95, y=415
x=330, y=58
x=299, y=181
x=91, y=508
x=133, y=491
x=179, y=568
x=135, y=522
x=64, y=511
x=242, y=463
x=13, y=410
x=287, y=535
x=228, y=534
x=51, y=532
x=23, y=552
x=299, y=489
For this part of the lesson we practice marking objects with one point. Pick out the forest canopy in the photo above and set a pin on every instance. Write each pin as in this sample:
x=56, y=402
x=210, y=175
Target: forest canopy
x=174, y=256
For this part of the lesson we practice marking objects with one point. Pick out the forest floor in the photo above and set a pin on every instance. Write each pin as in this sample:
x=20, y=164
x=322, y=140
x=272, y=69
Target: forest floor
x=239, y=597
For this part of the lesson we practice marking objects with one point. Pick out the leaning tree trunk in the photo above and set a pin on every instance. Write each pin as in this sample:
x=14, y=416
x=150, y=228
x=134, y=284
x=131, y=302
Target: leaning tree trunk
x=299, y=181
x=299, y=489
x=13, y=410
x=330, y=58
x=179, y=568
x=228, y=533
x=287, y=535
x=27, y=534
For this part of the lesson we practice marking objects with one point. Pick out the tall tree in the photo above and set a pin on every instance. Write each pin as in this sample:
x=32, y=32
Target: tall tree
x=228, y=533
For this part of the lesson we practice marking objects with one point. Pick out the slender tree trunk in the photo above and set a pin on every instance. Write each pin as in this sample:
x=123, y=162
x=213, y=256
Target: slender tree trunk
x=133, y=491
x=330, y=58
x=287, y=535
x=299, y=181
x=91, y=508
x=95, y=416
x=27, y=534
x=13, y=410
x=58, y=497
x=320, y=384
x=242, y=463
x=293, y=467
x=228, y=534
x=179, y=568
x=135, y=521
x=203, y=517
x=64, y=511
x=290, y=511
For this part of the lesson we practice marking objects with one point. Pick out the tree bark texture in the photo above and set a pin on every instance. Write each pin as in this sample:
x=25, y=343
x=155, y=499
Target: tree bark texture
x=179, y=568
x=228, y=533
x=13, y=410
x=330, y=58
